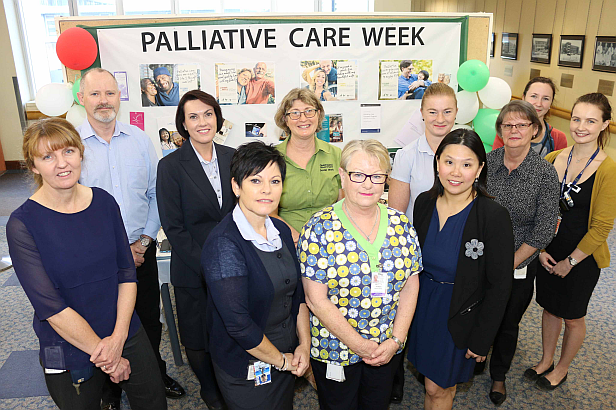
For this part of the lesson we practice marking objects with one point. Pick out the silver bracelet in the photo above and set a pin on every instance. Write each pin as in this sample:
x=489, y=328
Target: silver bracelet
x=284, y=364
x=395, y=339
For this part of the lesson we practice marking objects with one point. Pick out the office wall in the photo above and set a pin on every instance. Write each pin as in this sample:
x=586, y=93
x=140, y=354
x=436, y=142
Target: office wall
x=10, y=126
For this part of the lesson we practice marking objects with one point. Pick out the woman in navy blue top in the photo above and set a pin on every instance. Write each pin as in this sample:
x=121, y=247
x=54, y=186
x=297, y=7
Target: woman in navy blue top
x=71, y=255
x=256, y=315
x=467, y=246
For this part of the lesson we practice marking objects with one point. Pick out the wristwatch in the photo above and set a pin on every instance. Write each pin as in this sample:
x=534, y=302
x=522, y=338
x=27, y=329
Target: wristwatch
x=146, y=241
x=395, y=339
x=572, y=261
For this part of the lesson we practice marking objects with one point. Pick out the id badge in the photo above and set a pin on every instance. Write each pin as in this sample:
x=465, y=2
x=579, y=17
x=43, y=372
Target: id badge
x=378, y=285
x=263, y=373
x=335, y=372
x=519, y=273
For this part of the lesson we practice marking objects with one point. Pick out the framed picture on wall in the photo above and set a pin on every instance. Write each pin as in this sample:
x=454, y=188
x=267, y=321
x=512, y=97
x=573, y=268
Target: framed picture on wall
x=605, y=54
x=509, y=46
x=541, y=51
x=492, y=44
x=571, y=51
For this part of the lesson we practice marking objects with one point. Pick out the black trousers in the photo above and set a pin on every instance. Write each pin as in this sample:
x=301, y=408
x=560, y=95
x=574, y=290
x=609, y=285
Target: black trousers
x=144, y=387
x=148, y=310
x=366, y=387
x=506, y=339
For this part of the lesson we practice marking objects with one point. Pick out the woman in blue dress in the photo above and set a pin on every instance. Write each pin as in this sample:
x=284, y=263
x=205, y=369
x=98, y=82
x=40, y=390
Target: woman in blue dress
x=467, y=245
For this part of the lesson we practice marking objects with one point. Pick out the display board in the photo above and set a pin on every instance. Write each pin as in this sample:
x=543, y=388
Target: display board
x=352, y=65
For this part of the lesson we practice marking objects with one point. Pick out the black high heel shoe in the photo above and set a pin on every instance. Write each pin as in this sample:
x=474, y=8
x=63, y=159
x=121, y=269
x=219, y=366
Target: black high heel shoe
x=497, y=397
x=532, y=375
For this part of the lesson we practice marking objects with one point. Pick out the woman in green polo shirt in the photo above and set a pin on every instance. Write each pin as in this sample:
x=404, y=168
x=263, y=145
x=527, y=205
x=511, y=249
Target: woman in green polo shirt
x=312, y=181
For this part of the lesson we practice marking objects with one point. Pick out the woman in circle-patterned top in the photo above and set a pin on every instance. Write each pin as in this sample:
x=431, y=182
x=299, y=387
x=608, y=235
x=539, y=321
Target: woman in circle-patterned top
x=347, y=275
x=355, y=282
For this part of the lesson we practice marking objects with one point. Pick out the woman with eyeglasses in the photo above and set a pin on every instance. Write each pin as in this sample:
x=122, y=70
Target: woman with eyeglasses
x=573, y=261
x=527, y=185
x=540, y=92
x=359, y=261
x=312, y=180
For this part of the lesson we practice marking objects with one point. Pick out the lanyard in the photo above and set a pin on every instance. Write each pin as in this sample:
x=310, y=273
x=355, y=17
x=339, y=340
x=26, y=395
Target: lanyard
x=547, y=137
x=575, y=181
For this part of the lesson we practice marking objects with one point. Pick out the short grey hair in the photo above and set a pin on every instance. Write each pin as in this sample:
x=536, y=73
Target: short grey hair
x=95, y=70
x=523, y=109
x=371, y=147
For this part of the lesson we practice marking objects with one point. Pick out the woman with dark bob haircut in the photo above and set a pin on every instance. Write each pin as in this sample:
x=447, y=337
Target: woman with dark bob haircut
x=467, y=247
x=194, y=194
x=257, y=317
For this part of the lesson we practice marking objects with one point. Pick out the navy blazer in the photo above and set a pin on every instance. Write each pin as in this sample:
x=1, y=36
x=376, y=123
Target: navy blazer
x=482, y=286
x=240, y=293
x=188, y=208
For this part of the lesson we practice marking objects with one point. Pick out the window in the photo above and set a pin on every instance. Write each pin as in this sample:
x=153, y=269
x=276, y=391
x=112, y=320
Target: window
x=39, y=28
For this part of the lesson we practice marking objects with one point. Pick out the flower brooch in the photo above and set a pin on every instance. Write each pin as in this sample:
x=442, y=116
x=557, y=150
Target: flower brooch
x=474, y=249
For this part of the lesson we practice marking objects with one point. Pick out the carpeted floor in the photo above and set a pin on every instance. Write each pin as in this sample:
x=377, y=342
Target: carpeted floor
x=591, y=383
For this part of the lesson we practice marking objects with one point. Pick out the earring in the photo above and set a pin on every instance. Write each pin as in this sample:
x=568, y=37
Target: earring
x=476, y=180
x=436, y=173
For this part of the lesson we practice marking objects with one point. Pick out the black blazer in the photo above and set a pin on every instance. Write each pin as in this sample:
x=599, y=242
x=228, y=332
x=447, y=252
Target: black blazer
x=482, y=286
x=188, y=208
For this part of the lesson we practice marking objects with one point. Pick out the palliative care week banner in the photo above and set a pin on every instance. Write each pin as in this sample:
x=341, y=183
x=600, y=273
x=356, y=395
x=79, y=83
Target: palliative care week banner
x=250, y=67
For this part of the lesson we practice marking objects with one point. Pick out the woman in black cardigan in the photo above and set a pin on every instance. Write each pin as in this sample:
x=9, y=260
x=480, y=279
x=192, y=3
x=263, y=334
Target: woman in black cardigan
x=256, y=314
x=467, y=247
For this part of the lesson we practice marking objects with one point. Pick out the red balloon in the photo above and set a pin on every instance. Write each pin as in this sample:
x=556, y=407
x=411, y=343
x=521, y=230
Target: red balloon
x=76, y=48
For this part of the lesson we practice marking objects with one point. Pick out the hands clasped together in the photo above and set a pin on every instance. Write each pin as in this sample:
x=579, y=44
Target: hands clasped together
x=107, y=357
x=561, y=268
x=377, y=354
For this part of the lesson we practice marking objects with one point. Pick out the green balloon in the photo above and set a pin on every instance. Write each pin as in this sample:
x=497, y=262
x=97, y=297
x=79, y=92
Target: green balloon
x=473, y=75
x=484, y=124
x=76, y=86
x=487, y=147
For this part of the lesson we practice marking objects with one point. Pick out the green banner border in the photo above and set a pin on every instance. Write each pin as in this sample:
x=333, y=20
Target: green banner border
x=235, y=20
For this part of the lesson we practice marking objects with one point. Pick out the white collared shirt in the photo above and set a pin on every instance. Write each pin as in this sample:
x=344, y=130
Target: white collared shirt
x=273, y=241
x=212, y=171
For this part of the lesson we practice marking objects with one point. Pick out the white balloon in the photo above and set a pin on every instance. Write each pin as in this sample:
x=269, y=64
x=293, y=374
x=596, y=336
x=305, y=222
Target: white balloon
x=468, y=106
x=496, y=94
x=54, y=99
x=76, y=115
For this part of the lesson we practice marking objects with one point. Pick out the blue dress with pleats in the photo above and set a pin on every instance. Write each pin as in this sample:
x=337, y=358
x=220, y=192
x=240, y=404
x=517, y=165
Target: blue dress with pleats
x=431, y=347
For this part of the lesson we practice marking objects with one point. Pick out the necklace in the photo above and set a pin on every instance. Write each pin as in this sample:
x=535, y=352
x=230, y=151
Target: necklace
x=378, y=212
x=577, y=160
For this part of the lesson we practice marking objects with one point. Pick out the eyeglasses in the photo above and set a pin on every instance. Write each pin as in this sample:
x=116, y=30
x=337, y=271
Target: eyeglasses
x=295, y=114
x=519, y=127
x=359, y=177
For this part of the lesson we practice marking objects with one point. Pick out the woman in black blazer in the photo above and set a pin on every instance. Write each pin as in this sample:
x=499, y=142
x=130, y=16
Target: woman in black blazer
x=467, y=249
x=194, y=194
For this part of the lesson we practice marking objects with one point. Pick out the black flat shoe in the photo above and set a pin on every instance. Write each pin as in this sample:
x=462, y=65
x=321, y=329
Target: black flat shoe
x=497, y=398
x=173, y=390
x=544, y=384
x=397, y=392
x=532, y=375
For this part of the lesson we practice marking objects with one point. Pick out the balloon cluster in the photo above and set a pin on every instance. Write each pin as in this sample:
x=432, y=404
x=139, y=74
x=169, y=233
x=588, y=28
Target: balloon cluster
x=77, y=50
x=474, y=78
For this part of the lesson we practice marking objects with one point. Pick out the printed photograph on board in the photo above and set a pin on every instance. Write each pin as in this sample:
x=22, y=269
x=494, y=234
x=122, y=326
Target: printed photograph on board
x=164, y=84
x=245, y=83
x=405, y=79
x=335, y=128
x=170, y=138
x=330, y=80
x=255, y=129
